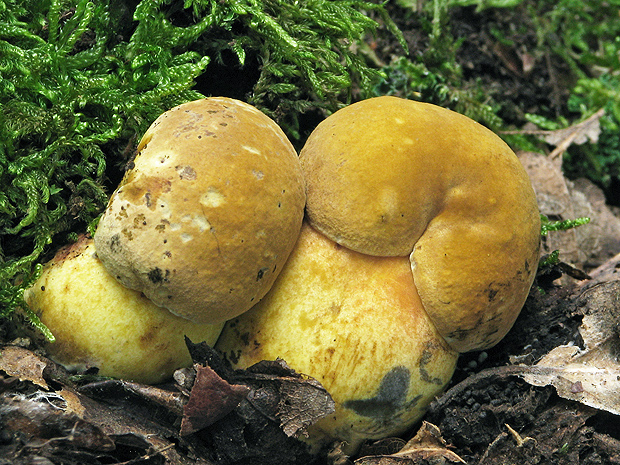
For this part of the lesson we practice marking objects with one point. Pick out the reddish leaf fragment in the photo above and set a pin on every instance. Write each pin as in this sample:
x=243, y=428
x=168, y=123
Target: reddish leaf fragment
x=211, y=399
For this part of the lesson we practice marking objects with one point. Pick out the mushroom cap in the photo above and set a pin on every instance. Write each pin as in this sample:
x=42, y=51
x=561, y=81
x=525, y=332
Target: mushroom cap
x=208, y=214
x=393, y=177
x=356, y=324
x=97, y=322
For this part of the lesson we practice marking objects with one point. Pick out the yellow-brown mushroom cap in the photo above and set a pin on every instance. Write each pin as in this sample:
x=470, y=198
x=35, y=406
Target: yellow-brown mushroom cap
x=393, y=177
x=205, y=219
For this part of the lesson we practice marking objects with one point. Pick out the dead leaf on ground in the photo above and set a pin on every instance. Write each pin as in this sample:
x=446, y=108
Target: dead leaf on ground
x=263, y=428
x=590, y=375
x=427, y=445
x=210, y=400
x=170, y=399
x=271, y=387
x=580, y=133
x=23, y=364
x=299, y=401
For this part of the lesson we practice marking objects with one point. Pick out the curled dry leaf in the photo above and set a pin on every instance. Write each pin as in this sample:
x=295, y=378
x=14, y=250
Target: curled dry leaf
x=270, y=387
x=427, y=445
x=211, y=399
x=262, y=429
x=301, y=400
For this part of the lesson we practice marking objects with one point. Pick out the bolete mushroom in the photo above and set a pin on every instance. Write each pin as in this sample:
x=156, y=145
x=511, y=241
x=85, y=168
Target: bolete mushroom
x=200, y=226
x=99, y=323
x=394, y=177
x=207, y=215
x=426, y=245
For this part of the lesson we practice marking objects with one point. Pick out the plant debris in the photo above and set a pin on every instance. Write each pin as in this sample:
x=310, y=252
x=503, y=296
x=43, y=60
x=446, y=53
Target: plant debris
x=427, y=445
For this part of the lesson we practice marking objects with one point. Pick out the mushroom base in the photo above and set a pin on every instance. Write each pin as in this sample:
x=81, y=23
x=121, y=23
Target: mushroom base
x=98, y=323
x=356, y=324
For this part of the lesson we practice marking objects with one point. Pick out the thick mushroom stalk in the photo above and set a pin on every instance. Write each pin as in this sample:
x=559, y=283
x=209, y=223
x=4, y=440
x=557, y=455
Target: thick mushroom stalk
x=100, y=324
x=208, y=214
x=356, y=324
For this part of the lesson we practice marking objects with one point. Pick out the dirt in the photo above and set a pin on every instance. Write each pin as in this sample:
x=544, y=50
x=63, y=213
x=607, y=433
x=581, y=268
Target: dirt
x=489, y=414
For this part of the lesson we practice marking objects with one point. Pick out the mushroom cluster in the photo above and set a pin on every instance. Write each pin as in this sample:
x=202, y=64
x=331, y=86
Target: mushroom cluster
x=421, y=242
x=201, y=226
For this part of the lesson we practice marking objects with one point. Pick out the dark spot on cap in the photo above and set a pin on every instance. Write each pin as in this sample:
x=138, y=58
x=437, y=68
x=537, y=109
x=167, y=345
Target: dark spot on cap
x=156, y=276
x=234, y=356
x=115, y=243
x=186, y=172
x=261, y=273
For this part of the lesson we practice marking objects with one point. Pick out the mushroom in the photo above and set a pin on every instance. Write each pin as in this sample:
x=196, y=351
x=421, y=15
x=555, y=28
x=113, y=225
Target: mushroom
x=207, y=215
x=196, y=233
x=394, y=177
x=99, y=323
x=422, y=242
x=356, y=324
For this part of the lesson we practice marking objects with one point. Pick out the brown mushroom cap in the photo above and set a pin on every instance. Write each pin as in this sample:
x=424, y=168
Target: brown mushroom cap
x=394, y=177
x=208, y=214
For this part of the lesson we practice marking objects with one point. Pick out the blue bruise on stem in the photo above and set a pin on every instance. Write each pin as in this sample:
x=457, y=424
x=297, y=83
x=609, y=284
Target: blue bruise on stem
x=390, y=398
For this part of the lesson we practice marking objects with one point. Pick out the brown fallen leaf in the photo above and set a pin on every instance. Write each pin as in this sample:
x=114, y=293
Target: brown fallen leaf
x=210, y=400
x=263, y=428
x=298, y=401
x=590, y=375
x=23, y=364
x=171, y=399
x=275, y=390
x=427, y=445
x=41, y=419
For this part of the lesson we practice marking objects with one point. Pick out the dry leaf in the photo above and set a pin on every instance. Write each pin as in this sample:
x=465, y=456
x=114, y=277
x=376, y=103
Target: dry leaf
x=41, y=418
x=580, y=133
x=275, y=390
x=426, y=445
x=23, y=364
x=297, y=401
x=210, y=400
x=591, y=375
x=171, y=400
x=262, y=429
